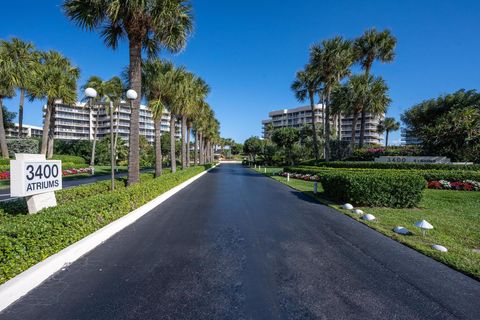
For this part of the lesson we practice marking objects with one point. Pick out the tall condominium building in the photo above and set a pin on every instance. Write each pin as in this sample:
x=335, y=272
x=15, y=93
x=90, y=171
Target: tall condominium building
x=409, y=139
x=298, y=117
x=78, y=122
x=27, y=131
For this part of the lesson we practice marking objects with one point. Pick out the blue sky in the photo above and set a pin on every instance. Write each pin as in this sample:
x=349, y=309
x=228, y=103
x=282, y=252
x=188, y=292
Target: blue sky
x=249, y=50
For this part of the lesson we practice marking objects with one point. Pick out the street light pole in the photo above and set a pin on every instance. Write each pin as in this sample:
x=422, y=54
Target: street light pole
x=132, y=96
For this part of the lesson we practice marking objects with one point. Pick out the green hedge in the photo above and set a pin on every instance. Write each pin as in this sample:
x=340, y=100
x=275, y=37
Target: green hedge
x=391, y=165
x=22, y=146
x=67, y=158
x=28, y=239
x=380, y=189
x=428, y=175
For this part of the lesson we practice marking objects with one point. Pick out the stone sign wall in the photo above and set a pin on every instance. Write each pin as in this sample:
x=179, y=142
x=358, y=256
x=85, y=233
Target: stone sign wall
x=401, y=159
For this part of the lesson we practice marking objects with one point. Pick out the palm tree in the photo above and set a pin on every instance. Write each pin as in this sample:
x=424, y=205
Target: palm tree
x=373, y=45
x=350, y=98
x=148, y=25
x=158, y=90
x=25, y=63
x=56, y=80
x=308, y=84
x=387, y=125
x=8, y=80
x=331, y=61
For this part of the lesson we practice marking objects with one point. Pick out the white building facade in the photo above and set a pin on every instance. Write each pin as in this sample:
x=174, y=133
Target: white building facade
x=78, y=122
x=300, y=116
x=28, y=131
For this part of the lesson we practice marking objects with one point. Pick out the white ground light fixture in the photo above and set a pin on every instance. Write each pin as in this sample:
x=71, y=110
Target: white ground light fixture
x=439, y=248
x=358, y=211
x=401, y=230
x=132, y=94
x=424, y=225
x=368, y=217
x=347, y=206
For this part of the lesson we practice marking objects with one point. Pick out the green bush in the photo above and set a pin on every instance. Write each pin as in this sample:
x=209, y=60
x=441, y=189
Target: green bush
x=68, y=158
x=28, y=239
x=428, y=175
x=380, y=189
x=22, y=146
x=391, y=165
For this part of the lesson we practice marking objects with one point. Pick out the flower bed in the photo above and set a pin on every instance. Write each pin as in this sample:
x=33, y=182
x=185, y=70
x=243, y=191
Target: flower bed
x=5, y=175
x=70, y=172
x=466, y=185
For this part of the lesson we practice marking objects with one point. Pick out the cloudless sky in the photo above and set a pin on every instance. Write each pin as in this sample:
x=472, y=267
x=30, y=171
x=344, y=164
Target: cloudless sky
x=249, y=50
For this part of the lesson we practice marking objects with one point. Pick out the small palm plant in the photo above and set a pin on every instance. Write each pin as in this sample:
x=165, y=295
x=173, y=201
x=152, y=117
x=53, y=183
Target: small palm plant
x=388, y=125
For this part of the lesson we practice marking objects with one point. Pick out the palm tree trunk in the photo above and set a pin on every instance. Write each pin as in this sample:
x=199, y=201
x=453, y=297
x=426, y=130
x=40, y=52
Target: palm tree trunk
x=95, y=130
x=135, y=77
x=46, y=127
x=51, y=134
x=354, y=130
x=327, y=126
x=184, y=142
x=200, y=149
x=188, y=145
x=158, y=148
x=364, y=112
x=386, y=138
x=314, y=126
x=3, y=137
x=173, y=160
x=195, y=151
x=20, y=113
x=362, y=127
x=339, y=126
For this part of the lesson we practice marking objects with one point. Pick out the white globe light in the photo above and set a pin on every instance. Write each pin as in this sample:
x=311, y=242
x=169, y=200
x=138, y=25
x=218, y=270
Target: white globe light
x=132, y=94
x=90, y=93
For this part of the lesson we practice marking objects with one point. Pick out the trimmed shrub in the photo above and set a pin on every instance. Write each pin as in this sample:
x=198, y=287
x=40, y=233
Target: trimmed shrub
x=28, y=239
x=380, y=189
x=68, y=158
x=428, y=175
x=391, y=165
x=22, y=146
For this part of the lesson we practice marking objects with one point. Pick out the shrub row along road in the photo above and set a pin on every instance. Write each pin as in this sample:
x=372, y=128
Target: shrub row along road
x=238, y=245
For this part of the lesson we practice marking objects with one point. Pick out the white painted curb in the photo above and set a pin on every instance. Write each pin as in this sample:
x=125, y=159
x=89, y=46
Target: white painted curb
x=20, y=285
x=230, y=161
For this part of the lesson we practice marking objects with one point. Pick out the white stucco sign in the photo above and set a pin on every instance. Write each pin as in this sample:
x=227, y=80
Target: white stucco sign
x=421, y=160
x=36, y=178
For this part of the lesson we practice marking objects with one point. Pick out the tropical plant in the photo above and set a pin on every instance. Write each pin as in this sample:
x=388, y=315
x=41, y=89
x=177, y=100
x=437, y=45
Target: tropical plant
x=285, y=138
x=25, y=63
x=8, y=80
x=360, y=90
x=331, y=61
x=387, y=125
x=56, y=82
x=158, y=91
x=252, y=147
x=448, y=125
x=148, y=25
x=373, y=45
x=307, y=84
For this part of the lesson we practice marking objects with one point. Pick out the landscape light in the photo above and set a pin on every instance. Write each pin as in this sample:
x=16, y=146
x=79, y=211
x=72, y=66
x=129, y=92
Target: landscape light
x=401, y=230
x=424, y=225
x=368, y=217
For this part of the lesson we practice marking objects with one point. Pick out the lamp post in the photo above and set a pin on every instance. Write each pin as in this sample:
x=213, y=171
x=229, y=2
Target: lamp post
x=131, y=96
x=91, y=94
x=112, y=149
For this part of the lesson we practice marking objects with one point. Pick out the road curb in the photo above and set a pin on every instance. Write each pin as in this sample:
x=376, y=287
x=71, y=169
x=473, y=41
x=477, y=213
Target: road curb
x=15, y=288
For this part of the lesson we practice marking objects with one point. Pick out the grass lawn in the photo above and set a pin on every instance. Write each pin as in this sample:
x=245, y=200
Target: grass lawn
x=455, y=216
